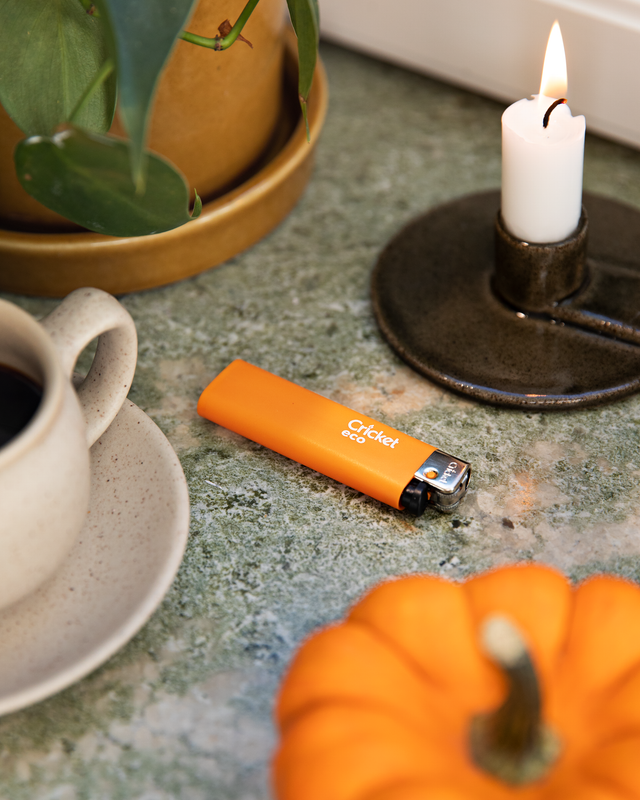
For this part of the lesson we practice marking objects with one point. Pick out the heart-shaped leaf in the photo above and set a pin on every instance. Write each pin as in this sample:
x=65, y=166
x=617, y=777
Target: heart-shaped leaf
x=141, y=36
x=87, y=178
x=305, y=19
x=49, y=54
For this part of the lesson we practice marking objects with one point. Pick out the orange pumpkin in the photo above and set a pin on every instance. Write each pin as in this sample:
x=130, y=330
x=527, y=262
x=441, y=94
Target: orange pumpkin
x=385, y=705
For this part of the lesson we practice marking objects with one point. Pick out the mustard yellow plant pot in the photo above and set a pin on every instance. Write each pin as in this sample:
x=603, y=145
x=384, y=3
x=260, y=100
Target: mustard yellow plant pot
x=250, y=176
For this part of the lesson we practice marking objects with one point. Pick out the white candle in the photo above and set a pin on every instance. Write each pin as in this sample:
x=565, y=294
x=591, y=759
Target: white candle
x=542, y=167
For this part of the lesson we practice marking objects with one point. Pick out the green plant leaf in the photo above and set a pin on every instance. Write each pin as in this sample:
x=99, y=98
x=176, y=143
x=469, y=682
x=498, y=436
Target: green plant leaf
x=86, y=177
x=141, y=36
x=305, y=18
x=50, y=52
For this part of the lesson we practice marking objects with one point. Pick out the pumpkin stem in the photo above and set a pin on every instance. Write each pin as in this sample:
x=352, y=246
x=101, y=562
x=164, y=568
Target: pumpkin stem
x=512, y=743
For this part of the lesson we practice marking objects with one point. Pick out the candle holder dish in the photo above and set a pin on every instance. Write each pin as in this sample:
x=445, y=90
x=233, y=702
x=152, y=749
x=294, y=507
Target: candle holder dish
x=512, y=323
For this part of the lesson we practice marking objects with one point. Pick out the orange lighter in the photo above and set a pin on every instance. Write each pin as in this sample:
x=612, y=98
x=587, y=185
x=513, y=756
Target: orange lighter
x=330, y=438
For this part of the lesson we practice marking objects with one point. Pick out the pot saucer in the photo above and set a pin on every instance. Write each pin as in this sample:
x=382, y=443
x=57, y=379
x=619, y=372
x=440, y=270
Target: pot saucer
x=118, y=571
x=54, y=264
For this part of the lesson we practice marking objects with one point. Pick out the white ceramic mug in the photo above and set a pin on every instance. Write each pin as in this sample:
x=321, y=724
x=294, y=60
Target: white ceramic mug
x=44, y=469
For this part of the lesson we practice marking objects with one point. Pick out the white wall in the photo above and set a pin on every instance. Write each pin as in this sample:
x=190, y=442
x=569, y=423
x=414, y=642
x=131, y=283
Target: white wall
x=497, y=47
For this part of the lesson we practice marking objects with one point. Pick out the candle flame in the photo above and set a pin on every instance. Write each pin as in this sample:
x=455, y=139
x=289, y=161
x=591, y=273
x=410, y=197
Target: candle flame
x=554, y=71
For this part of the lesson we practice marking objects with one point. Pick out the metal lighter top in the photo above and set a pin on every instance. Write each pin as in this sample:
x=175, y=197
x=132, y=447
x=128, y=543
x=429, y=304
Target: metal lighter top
x=328, y=437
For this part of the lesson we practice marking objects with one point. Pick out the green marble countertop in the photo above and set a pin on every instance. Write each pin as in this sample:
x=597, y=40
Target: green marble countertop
x=184, y=710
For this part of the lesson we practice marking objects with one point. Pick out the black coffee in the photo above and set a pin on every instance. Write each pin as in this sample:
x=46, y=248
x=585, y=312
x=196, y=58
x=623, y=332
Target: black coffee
x=19, y=400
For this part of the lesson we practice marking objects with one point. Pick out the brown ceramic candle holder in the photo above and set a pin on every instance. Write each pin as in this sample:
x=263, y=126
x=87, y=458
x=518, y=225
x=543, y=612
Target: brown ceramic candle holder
x=512, y=323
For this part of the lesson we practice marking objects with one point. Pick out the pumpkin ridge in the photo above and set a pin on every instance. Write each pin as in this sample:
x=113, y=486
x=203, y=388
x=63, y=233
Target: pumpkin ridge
x=616, y=711
x=597, y=646
x=619, y=684
x=368, y=705
x=499, y=581
x=417, y=669
x=409, y=613
x=403, y=654
x=418, y=789
x=607, y=784
x=333, y=649
x=392, y=786
x=618, y=737
x=344, y=740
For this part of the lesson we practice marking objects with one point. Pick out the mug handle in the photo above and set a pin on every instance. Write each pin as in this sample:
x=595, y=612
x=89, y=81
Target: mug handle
x=83, y=315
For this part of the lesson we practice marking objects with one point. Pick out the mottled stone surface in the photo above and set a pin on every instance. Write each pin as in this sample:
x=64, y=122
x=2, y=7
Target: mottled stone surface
x=184, y=711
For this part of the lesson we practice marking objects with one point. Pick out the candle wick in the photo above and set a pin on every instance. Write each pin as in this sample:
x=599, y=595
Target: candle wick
x=553, y=105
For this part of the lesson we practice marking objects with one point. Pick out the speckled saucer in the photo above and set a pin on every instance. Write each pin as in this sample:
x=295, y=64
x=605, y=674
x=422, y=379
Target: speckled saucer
x=121, y=566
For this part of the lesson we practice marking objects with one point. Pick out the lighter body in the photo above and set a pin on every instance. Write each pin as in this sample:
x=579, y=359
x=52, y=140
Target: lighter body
x=337, y=441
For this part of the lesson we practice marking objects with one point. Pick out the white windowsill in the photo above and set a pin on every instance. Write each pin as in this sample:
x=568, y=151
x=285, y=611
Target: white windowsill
x=497, y=47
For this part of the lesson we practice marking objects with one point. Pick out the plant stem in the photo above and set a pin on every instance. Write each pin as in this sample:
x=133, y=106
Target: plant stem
x=101, y=76
x=512, y=743
x=89, y=7
x=222, y=42
x=216, y=43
